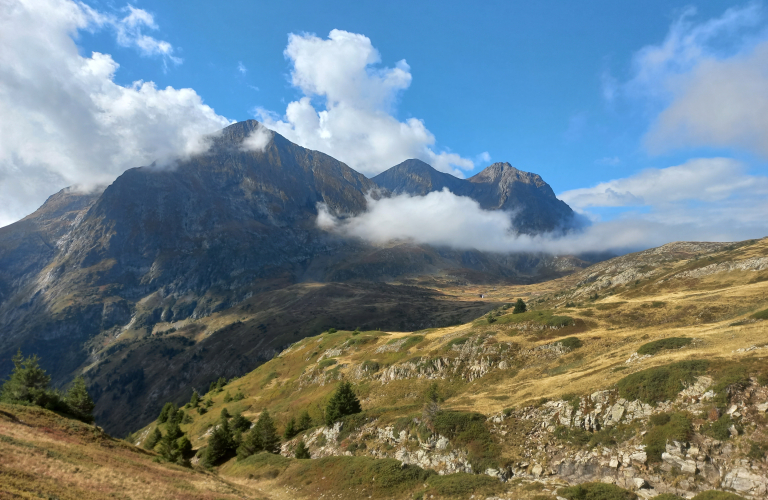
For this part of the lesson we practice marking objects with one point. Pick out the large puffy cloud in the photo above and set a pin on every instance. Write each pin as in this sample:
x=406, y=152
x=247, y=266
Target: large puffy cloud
x=671, y=204
x=710, y=81
x=356, y=124
x=65, y=121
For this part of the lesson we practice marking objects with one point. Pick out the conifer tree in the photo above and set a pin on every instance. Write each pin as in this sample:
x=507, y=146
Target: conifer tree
x=219, y=444
x=520, y=307
x=305, y=421
x=169, y=446
x=79, y=401
x=343, y=402
x=153, y=439
x=263, y=437
x=301, y=450
x=290, y=429
x=194, y=400
x=239, y=423
x=28, y=383
x=166, y=412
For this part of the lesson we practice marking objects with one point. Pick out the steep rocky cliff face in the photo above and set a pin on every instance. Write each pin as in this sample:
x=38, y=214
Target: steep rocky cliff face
x=530, y=201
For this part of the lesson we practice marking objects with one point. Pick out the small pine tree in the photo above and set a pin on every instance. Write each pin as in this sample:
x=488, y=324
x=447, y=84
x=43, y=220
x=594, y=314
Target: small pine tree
x=305, y=421
x=153, y=439
x=263, y=437
x=169, y=446
x=433, y=394
x=194, y=400
x=290, y=429
x=28, y=383
x=227, y=397
x=79, y=401
x=179, y=416
x=302, y=452
x=343, y=402
x=165, y=413
x=219, y=444
x=520, y=307
x=224, y=414
x=239, y=396
x=239, y=423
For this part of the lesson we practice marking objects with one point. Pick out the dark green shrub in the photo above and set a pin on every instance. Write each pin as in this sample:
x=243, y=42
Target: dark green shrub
x=728, y=380
x=290, y=429
x=663, y=344
x=239, y=423
x=456, y=341
x=570, y=343
x=332, y=330
x=661, y=383
x=667, y=496
x=305, y=421
x=719, y=429
x=596, y=491
x=677, y=427
x=717, y=495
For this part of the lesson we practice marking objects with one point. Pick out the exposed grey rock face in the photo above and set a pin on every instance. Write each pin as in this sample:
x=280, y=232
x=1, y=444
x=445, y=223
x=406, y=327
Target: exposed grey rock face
x=532, y=204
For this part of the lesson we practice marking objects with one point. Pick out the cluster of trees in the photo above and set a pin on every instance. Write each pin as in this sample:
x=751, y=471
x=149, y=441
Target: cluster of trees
x=174, y=445
x=30, y=385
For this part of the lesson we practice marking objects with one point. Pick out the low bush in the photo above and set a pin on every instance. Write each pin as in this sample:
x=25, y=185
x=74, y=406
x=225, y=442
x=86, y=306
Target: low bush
x=661, y=383
x=663, y=344
x=570, y=343
x=596, y=491
x=456, y=341
x=719, y=429
x=462, y=485
x=666, y=427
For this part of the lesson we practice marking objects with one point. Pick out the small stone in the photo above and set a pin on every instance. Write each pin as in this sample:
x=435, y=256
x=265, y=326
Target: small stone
x=639, y=483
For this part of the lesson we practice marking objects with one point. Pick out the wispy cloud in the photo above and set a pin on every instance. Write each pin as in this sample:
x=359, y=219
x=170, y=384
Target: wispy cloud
x=241, y=68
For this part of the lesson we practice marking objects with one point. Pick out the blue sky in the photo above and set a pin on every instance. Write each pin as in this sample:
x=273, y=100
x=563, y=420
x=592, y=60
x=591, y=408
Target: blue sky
x=589, y=95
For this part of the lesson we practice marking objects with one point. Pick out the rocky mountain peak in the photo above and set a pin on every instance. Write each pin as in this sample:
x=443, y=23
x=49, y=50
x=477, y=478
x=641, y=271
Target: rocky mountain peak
x=503, y=173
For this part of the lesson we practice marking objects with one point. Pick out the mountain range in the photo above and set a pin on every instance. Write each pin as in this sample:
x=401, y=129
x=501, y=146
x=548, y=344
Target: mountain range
x=231, y=233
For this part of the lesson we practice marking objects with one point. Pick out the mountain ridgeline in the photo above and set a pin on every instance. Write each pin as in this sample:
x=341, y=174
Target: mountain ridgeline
x=532, y=204
x=136, y=272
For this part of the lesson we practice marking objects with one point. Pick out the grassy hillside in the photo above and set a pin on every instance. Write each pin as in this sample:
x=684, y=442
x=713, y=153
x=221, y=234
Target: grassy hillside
x=649, y=372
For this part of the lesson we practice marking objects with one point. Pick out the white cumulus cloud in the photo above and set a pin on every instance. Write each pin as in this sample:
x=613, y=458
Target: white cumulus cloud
x=348, y=103
x=64, y=119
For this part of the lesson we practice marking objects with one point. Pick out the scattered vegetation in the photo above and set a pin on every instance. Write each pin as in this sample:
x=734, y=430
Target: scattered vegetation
x=570, y=343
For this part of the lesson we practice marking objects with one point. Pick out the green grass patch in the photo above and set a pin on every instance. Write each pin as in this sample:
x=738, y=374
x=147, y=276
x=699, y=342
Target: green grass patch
x=596, y=491
x=719, y=429
x=661, y=383
x=604, y=437
x=663, y=344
